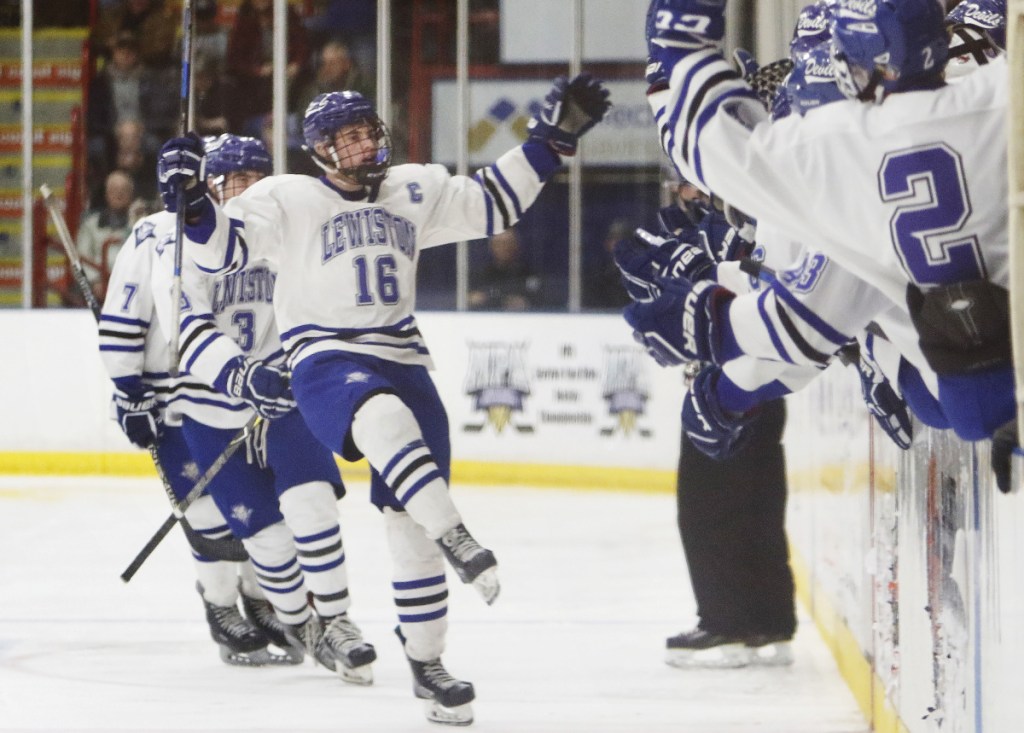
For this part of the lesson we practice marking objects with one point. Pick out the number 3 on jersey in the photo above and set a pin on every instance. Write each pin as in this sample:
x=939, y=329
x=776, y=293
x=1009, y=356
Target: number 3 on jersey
x=376, y=281
x=927, y=230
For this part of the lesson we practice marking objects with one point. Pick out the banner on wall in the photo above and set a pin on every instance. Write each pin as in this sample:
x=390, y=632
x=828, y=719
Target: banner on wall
x=499, y=111
x=553, y=389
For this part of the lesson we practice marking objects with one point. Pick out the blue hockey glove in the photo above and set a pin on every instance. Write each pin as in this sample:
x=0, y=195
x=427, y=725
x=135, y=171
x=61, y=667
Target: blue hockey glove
x=182, y=165
x=722, y=241
x=647, y=258
x=264, y=388
x=677, y=27
x=745, y=62
x=714, y=432
x=888, y=408
x=570, y=109
x=678, y=326
x=139, y=416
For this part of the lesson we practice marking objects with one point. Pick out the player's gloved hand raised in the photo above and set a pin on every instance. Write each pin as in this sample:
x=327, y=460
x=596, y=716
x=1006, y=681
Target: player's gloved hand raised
x=1005, y=443
x=712, y=430
x=883, y=402
x=139, y=416
x=264, y=388
x=570, y=109
x=721, y=239
x=677, y=27
x=647, y=258
x=181, y=167
x=679, y=325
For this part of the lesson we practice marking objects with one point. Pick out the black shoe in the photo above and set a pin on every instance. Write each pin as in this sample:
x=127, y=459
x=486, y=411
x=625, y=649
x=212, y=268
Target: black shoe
x=448, y=699
x=239, y=641
x=771, y=650
x=472, y=562
x=702, y=648
x=261, y=613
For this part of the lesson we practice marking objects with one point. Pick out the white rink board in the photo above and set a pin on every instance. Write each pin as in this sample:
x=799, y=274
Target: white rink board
x=58, y=394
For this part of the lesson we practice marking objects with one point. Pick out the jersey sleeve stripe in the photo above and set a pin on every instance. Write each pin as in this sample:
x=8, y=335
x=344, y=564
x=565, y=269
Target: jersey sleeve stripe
x=770, y=327
x=794, y=334
x=488, y=204
x=111, y=347
x=808, y=316
x=124, y=321
x=706, y=114
x=509, y=191
x=498, y=199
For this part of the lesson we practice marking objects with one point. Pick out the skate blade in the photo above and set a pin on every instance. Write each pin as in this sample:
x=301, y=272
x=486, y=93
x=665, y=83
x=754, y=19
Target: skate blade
x=257, y=658
x=458, y=715
x=362, y=676
x=289, y=658
x=777, y=654
x=487, y=585
x=726, y=656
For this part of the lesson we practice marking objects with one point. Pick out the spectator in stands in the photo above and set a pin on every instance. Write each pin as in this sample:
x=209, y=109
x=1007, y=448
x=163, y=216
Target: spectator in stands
x=211, y=97
x=336, y=70
x=134, y=156
x=103, y=230
x=602, y=288
x=126, y=92
x=210, y=39
x=250, y=61
x=507, y=283
x=149, y=19
x=352, y=21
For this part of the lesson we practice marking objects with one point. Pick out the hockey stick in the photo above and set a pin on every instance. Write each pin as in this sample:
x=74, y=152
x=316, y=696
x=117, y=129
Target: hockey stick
x=758, y=269
x=178, y=513
x=225, y=549
x=185, y=123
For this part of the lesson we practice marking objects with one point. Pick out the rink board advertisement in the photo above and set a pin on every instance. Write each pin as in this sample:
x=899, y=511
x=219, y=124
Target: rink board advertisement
x=499, y=111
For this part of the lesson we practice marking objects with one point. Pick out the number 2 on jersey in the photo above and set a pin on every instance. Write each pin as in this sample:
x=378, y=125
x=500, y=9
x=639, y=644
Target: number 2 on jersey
x=927, y=230
x=383, y=275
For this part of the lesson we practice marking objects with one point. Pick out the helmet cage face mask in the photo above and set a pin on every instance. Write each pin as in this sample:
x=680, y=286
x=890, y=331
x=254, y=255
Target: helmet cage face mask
x=881, y=46
x=351, y=115
x=234, y=163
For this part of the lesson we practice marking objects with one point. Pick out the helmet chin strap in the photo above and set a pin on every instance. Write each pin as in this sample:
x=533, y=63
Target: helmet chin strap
x=331, y=167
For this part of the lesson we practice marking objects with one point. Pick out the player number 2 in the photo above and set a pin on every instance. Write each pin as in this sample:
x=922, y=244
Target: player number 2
x=383, y=271
x=927, y=226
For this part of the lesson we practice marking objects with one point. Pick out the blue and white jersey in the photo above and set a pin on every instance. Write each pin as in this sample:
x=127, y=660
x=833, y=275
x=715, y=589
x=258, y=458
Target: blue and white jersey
x=133, y=345
x=911, y=190
x=221, y=318
x=346, y=263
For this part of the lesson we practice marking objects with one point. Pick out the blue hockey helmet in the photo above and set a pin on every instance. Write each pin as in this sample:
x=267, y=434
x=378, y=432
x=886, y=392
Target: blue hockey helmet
x=882, y=46
x=812, y=82
x=230, y=153
x=989, y=15
x=332, y=111
x=812, y=27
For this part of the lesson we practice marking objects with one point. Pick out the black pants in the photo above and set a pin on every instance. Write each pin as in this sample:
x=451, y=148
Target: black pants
x=731, y=517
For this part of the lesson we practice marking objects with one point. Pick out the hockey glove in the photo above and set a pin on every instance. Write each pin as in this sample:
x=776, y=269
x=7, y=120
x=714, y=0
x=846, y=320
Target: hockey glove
x=887, y=406
x=722, y=240
x=139, y=416
x=570, y=109
x=181, y=167
x=675, y=28
x=264, y=388
x=647, y=257
x=1004, y=444
x=710, y=429
x=679, y=325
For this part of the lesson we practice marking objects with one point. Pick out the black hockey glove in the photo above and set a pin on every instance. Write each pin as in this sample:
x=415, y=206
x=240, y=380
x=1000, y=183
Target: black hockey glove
x=570, y=109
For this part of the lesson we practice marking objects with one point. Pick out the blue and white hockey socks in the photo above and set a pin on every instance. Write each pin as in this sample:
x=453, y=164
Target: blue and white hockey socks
x=272, y=554
x=311, y=512
x=386, y=432
x=421, y=593
x=218, y=578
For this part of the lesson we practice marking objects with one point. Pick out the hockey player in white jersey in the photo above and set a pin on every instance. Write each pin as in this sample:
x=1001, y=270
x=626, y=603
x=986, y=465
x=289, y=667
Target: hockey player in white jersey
x=919, y=208
x=346, y=248
x=279, y=496
x=134, y=352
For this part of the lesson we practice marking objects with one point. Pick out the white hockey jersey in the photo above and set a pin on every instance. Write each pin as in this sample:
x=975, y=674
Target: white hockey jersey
x=346, y=265
x=911, y=190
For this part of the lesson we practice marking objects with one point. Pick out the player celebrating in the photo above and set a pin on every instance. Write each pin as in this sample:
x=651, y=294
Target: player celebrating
x=280, y=498
x=346, y=248
x=929, y=227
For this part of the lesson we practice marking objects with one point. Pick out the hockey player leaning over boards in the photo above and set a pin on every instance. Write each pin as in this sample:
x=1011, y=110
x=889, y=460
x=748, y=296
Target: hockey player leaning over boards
x=346, y=248
x=929, y=248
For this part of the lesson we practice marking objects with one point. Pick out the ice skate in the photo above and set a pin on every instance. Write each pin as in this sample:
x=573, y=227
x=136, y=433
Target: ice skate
x=473, y=563
x=771, y=650
x=701, y=648
x=261, y=613
x=447, y=699
x=342, y=649
x=240, y=642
